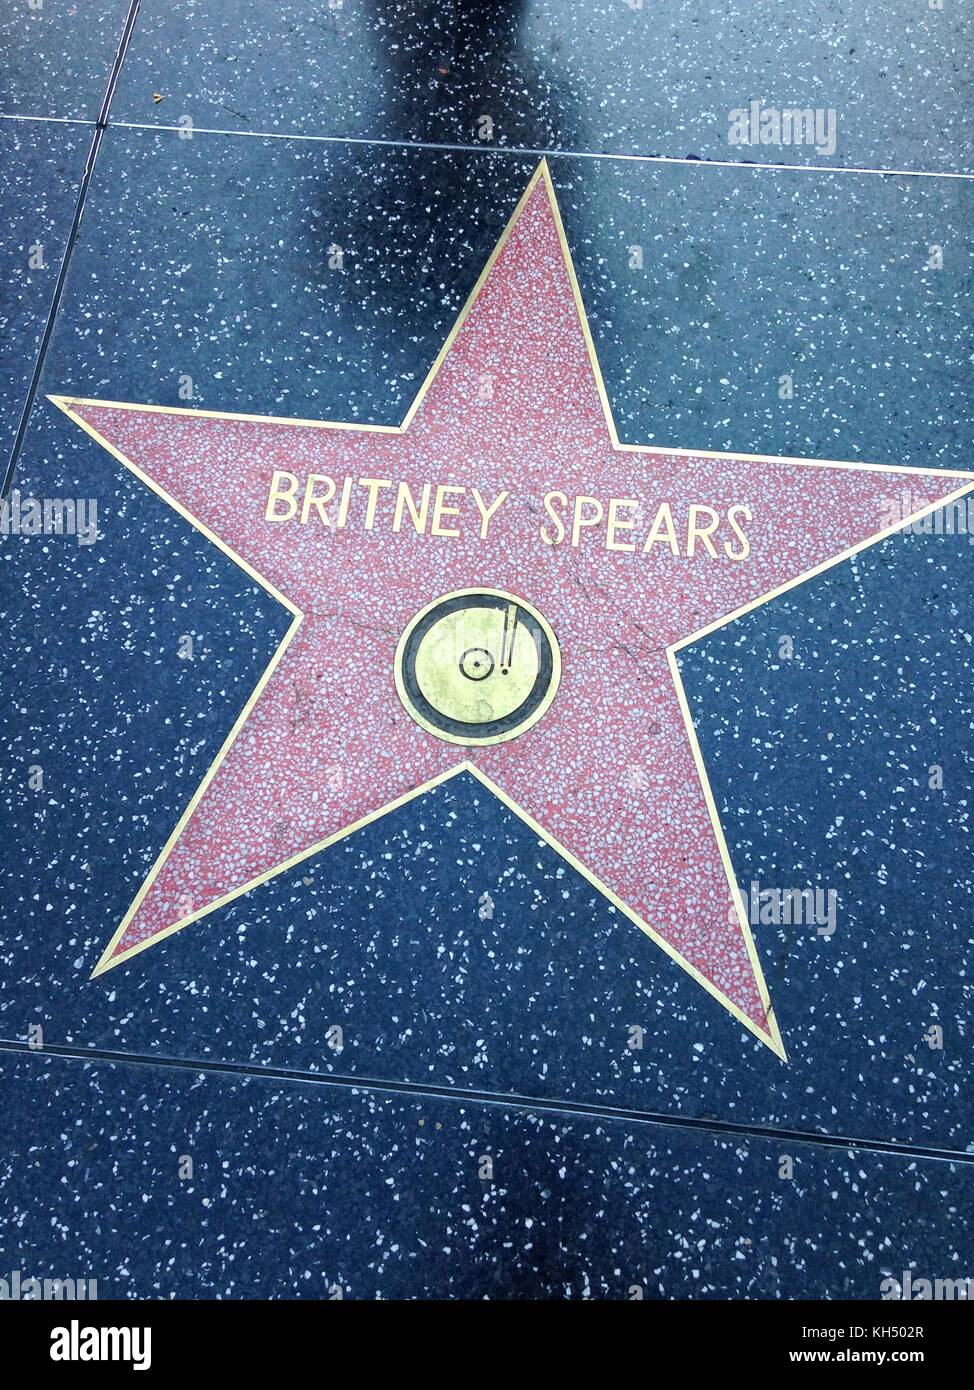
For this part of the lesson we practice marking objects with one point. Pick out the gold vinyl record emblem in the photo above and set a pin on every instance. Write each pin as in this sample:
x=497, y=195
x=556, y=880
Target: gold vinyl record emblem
x=477, y=666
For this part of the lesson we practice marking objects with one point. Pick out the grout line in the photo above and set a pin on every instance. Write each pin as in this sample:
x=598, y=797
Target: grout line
x=61, y=120
x=113, y=76
x=45, y=342
x=541, y=153
x=502, y=1100
x=99, y=130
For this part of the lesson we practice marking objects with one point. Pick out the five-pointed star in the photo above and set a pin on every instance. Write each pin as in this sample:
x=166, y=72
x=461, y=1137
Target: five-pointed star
x=612, y=774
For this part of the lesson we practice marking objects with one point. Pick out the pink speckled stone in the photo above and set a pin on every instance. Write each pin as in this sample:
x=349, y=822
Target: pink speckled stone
x=328, y=741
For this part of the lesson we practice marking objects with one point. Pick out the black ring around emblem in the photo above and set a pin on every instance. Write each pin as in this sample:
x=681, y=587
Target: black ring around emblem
x=489, y=728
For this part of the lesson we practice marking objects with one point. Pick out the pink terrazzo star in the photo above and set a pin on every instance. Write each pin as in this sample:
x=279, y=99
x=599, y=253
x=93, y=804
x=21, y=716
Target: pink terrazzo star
x=610, y=773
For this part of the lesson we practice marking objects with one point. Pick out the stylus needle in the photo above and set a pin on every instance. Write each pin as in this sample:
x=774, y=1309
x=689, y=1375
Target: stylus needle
x=507, y=642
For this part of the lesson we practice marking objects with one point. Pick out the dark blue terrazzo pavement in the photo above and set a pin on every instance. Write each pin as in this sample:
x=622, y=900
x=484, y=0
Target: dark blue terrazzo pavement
x=302, y=1192
x=206, y=257
x=41, y=167
x=223, y=274
x=651, y=78
x=58, y=56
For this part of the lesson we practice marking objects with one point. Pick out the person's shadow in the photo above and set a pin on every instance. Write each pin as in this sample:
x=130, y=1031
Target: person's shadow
x=399, y=231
